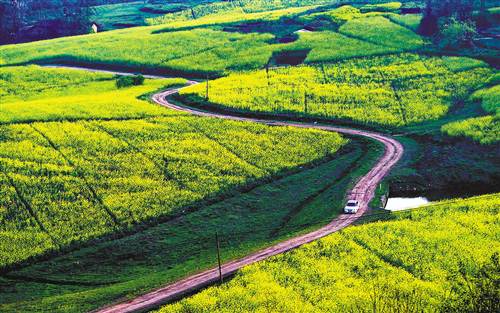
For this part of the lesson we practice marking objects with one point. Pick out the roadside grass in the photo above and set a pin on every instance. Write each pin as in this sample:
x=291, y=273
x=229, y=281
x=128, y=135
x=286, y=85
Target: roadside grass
x=161, y=254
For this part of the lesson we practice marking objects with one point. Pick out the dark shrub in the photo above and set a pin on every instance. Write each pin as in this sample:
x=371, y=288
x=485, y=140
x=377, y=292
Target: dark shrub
x=127, y=81
x=138, y=80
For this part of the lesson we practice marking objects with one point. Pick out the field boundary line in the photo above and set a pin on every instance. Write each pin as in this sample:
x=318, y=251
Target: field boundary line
x=225, y=147
x=157, y=163
x=29, y=208
x=80, y=174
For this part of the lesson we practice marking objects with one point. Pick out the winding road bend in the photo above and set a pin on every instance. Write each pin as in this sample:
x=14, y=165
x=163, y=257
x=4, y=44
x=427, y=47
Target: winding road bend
x=364, y=191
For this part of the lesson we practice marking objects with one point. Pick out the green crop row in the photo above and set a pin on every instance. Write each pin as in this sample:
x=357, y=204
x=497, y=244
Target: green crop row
x=423, y=260
x=392, y=91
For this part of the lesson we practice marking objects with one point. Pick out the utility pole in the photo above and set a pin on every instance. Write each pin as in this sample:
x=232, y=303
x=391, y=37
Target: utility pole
x=267, y=74
x=218, y=257
x=305, y=102
x=206, y=93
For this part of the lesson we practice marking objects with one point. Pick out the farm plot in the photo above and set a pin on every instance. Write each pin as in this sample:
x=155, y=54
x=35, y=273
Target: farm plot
x=70, y=182
x=40, y=94
x=232, y=8
x=386, y=264
x=143, y=50
x=379, y=30
x=391, y=91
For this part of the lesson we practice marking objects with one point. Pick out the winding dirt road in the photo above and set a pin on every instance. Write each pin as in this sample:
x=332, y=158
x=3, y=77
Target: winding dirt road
x=363, y=191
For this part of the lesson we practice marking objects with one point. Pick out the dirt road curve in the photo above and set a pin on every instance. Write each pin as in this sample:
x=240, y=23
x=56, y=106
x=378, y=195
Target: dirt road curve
x=363, y=191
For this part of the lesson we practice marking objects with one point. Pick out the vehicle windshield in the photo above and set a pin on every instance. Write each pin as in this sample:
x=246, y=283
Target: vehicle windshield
x=352, y=203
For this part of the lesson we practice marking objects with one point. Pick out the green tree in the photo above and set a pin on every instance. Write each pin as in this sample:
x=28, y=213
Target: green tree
x=437, y=11
x=456, y=34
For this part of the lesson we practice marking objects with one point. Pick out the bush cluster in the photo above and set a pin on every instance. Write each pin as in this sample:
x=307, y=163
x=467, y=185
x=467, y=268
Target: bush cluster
x=128, y=81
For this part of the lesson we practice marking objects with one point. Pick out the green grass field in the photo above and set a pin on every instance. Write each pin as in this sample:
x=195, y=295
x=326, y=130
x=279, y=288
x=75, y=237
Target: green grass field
x=386, y=264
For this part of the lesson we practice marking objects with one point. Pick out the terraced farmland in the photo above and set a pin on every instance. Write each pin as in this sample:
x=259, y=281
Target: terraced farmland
x=204, y=46
x=391, y=91
x=119, y=194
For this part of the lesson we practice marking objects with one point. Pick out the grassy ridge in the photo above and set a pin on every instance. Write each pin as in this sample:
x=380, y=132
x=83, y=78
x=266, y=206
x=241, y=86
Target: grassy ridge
x=391, y=91
x=385, y=264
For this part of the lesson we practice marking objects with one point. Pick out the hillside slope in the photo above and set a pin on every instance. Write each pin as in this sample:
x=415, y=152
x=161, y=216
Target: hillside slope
x=434, y=258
